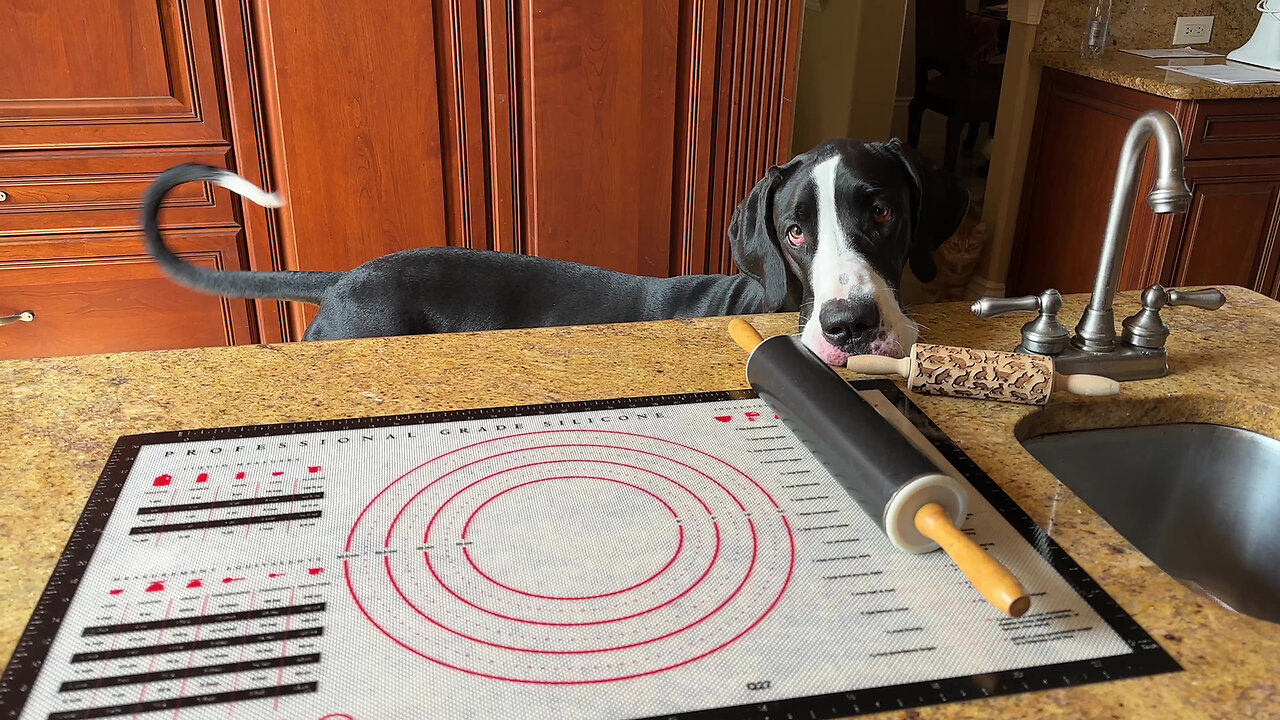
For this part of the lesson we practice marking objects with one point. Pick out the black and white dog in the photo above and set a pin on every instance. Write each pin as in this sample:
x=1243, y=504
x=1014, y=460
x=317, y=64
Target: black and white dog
x=827, y=234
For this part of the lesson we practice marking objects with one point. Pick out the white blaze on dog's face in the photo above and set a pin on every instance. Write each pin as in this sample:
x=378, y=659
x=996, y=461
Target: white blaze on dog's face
x=845, y=226
x=854, y=310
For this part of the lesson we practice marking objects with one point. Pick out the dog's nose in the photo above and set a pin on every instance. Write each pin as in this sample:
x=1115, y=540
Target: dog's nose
x=845, y=321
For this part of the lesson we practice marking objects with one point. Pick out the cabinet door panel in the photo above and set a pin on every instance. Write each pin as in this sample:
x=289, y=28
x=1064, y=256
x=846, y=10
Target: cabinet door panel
x=107, y=72
x=103, y=293
x=357, y=148
x=1228, y=235
x=620, y=134
x=352, y=132
x=641, y=124
x=600, y=133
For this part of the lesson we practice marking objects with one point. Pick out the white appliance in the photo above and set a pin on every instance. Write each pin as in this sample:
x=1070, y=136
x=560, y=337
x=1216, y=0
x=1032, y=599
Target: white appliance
x=1264, y=47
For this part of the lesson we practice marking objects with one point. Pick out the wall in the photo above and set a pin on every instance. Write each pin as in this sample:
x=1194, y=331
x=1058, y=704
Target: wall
x=875, y=77
x=906, y=72
x=1146, y=23
x=848, y=75
x=824, y=87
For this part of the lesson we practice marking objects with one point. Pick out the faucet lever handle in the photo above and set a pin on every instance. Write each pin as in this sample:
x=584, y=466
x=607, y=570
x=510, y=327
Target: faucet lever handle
x=989, y=307
x=1208, y=299
x=1146, y=329
x=1045, y=335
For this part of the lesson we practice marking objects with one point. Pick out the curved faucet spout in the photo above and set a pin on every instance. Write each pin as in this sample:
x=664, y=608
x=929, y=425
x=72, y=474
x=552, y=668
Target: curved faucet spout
x=1096, y=330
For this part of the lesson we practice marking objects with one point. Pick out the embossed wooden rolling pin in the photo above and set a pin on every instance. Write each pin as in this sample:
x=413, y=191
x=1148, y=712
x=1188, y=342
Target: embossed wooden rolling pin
x=982, y=374
x=915, y=503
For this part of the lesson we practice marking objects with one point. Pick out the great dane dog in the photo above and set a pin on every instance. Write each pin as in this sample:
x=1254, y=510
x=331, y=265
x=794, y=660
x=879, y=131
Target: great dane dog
x=827, y=234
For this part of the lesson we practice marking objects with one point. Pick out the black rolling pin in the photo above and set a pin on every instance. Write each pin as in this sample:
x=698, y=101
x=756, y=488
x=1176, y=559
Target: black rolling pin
x=914, y=503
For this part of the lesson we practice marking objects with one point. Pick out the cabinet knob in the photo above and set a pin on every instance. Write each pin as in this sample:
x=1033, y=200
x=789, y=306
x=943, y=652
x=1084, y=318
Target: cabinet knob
x=24, y=316
x=3, y=196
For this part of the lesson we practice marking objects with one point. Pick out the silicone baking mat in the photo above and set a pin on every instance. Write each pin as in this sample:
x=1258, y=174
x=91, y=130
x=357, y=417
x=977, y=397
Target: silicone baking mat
x=675, y=557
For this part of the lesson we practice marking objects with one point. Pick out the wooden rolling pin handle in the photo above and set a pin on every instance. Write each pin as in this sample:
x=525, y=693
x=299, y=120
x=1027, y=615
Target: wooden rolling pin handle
x=1090, y=385
x=879, y=365
x=992, y=579
x=745, y=334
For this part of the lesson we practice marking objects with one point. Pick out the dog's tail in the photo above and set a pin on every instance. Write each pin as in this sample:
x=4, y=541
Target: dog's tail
x=308, y=287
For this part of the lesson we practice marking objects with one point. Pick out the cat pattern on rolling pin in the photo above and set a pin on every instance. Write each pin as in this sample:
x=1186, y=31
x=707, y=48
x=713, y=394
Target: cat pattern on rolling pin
x=969, y=373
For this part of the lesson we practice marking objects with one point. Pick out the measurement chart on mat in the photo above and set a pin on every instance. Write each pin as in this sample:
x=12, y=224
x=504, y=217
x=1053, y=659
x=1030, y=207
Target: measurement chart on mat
x=680, y=556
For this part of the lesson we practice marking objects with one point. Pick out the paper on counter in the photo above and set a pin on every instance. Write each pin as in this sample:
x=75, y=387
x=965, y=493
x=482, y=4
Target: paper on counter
x=1181, y=52
x=1230, y=74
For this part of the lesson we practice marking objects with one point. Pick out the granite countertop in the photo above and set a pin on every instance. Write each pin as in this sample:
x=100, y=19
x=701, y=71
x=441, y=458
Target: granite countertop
x=1141, y=73
x=65, y=414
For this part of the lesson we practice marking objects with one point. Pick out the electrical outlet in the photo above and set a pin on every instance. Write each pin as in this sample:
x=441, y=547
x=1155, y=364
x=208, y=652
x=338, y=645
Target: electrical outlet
x=1193, y=30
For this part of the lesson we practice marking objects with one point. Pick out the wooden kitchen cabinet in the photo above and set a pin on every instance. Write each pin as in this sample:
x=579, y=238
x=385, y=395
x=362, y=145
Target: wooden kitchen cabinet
x=100, y=96
x=1228, y=236
x=619, y=134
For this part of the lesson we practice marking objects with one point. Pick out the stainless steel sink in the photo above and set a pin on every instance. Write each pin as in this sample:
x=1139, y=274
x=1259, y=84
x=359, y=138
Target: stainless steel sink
x=1202, y=501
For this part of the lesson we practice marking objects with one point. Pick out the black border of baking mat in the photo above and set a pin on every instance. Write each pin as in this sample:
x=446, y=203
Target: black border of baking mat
x=1147, y=657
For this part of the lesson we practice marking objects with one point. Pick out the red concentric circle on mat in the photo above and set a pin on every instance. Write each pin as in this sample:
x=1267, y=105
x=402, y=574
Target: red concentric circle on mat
x=569, y=556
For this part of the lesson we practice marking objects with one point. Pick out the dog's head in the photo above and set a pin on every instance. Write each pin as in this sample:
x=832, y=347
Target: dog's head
x=830, y=232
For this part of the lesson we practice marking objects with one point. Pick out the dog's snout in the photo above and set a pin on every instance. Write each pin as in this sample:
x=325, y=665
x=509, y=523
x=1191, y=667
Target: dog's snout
x=847, y=321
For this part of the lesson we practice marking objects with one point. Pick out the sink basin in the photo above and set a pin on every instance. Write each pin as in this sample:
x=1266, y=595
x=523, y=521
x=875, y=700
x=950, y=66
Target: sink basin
x=1202, y=501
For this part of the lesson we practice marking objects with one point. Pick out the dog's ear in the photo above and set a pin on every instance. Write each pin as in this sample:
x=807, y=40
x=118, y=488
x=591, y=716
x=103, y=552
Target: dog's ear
x=939, y=204
x=754, y=240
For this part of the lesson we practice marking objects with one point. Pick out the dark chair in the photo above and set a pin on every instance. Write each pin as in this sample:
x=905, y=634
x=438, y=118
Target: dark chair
x=966, y=87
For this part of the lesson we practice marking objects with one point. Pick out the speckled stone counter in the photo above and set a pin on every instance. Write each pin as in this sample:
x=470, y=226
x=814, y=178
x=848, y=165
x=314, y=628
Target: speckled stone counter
x=1141, y=73
x=1146, y=23
x=63, y=416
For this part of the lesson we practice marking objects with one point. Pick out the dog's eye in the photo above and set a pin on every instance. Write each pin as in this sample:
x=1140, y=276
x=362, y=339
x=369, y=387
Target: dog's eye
x=795, y=235
x=880, y=213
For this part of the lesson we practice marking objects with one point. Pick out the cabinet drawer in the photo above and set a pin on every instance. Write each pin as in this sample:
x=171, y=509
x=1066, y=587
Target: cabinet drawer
x=1221, y=129
x=105, y=294
x=74, y=192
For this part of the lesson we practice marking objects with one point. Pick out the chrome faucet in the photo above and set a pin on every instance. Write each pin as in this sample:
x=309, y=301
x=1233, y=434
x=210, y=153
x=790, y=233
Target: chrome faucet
x=1094, y=349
